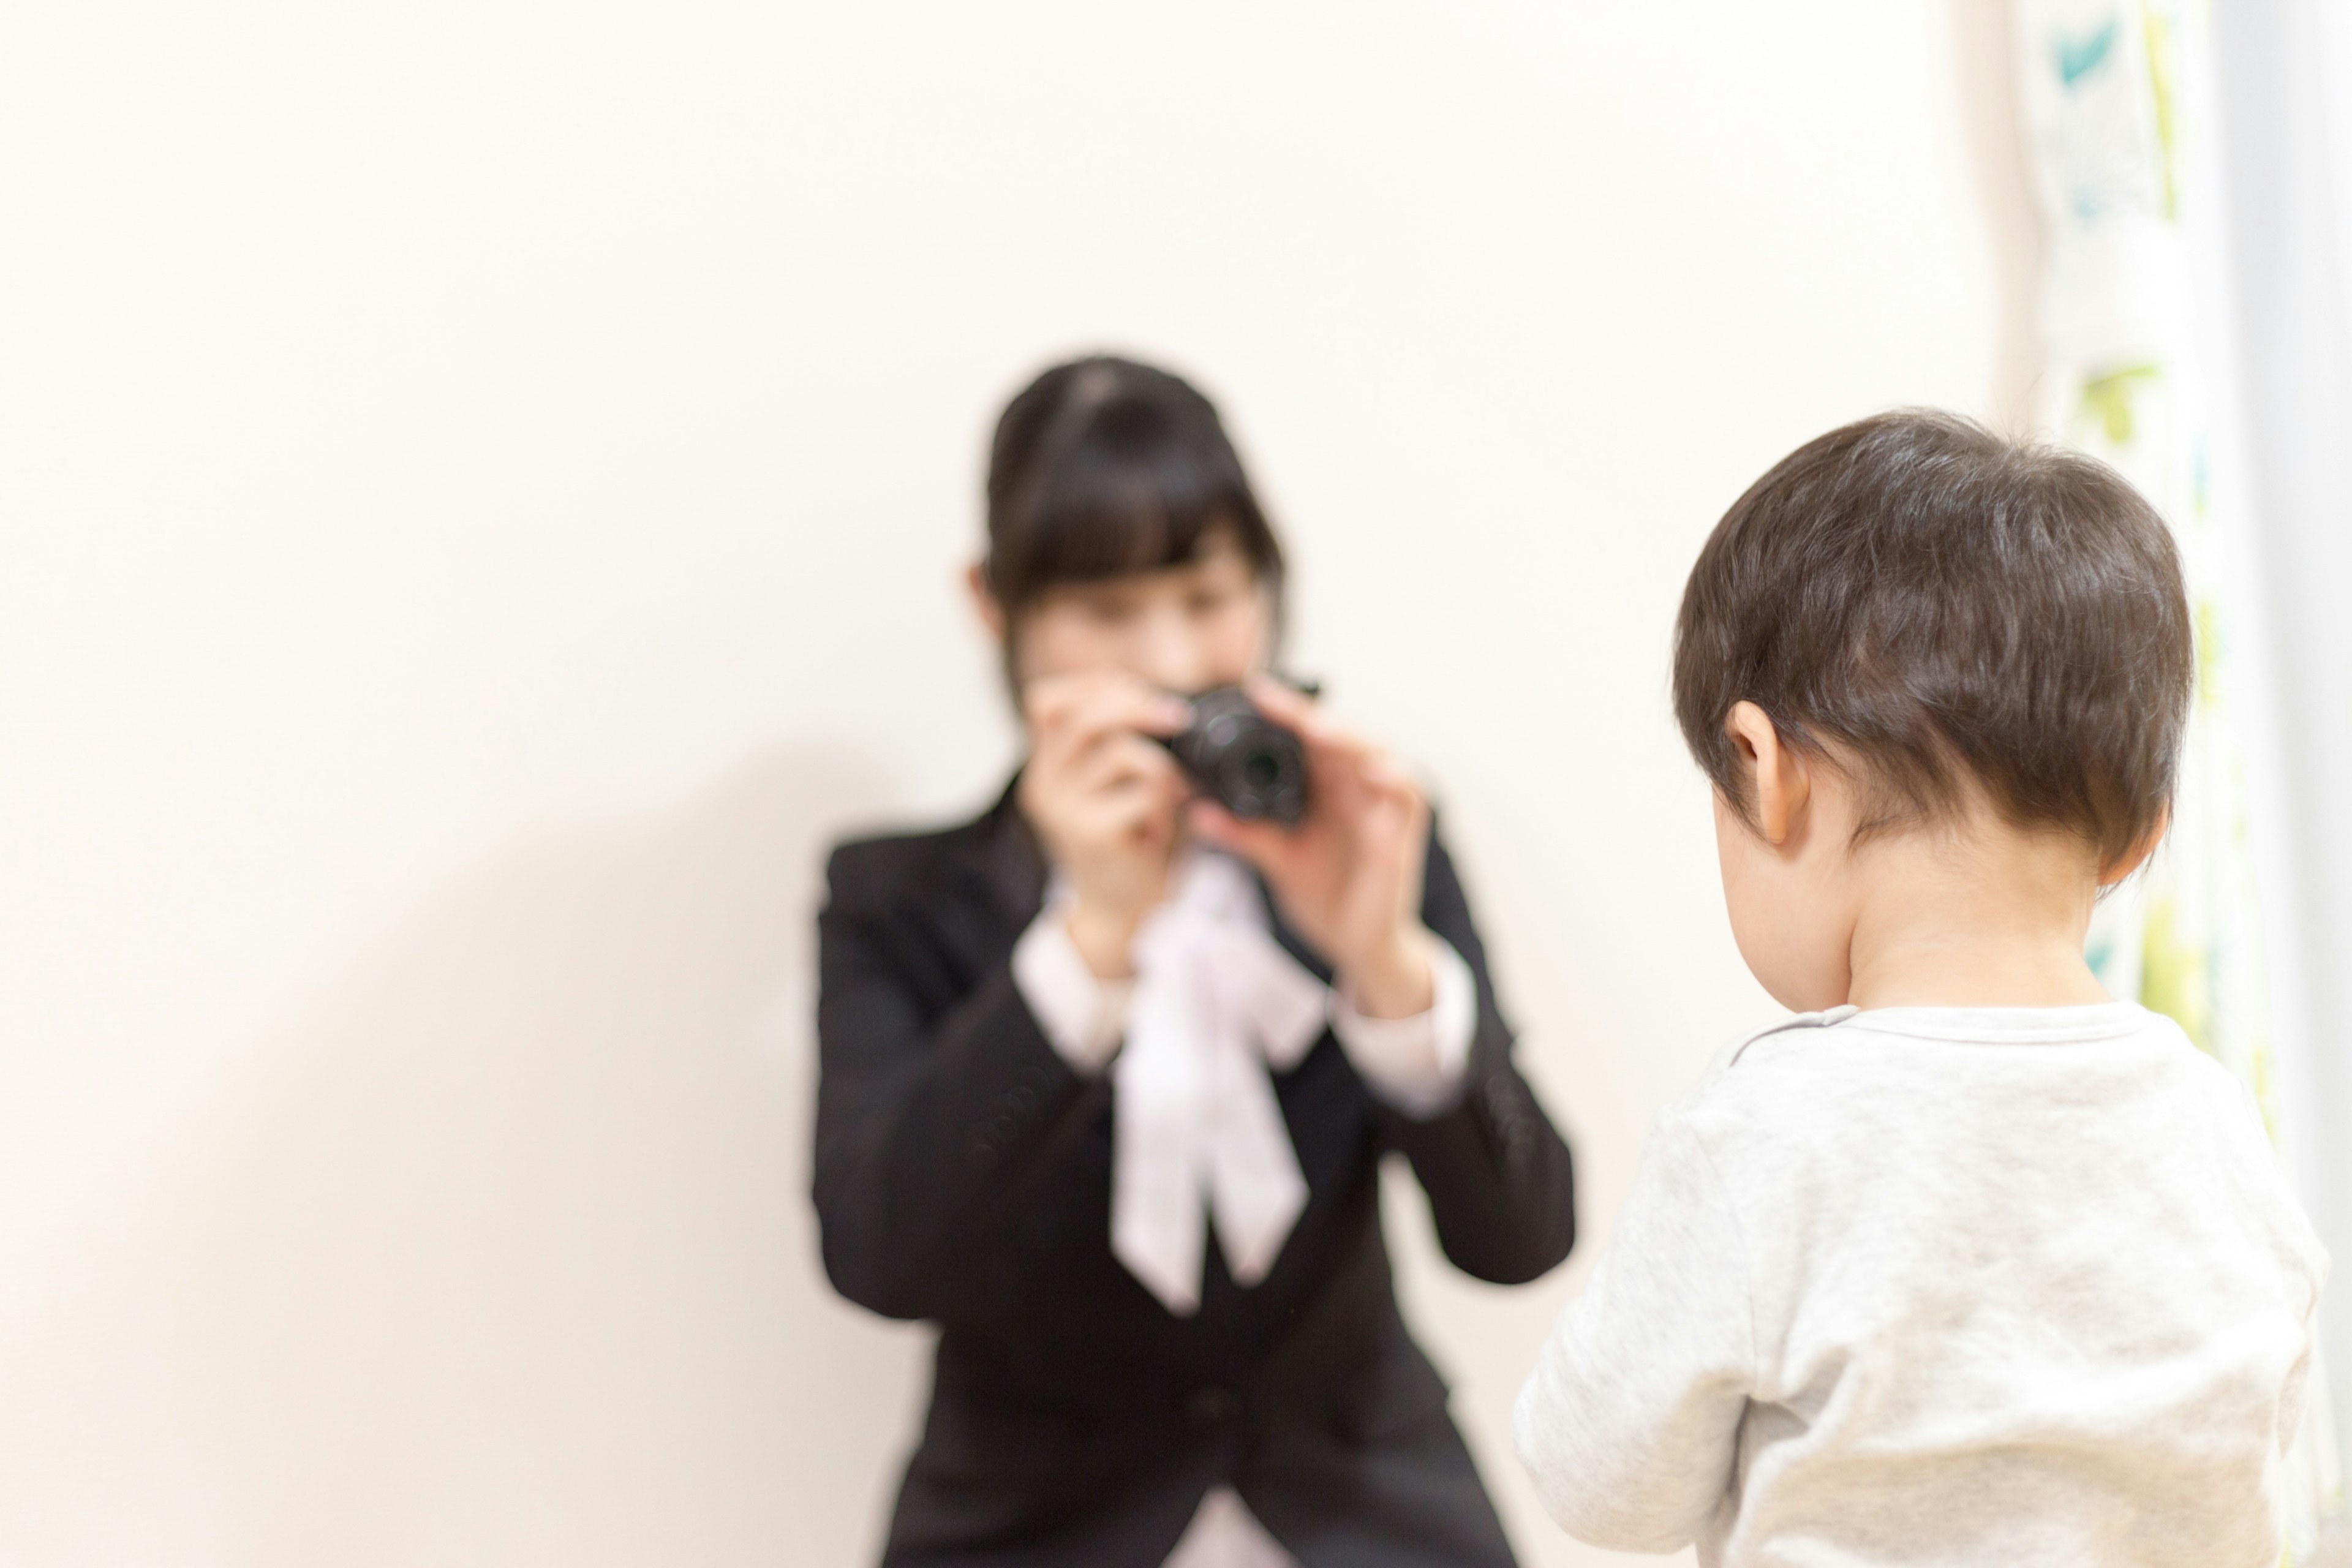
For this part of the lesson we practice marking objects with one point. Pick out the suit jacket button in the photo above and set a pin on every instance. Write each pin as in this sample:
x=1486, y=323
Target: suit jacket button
x=1212, y=1407
x=983, y=1155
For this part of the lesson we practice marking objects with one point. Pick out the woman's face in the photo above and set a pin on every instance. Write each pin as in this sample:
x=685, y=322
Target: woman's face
x=1202, y=622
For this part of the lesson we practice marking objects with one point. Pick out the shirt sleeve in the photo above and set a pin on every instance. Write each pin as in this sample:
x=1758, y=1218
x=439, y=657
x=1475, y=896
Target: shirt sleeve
x=1083, y=1017
x=1629, y=1422
x=1416, y=1064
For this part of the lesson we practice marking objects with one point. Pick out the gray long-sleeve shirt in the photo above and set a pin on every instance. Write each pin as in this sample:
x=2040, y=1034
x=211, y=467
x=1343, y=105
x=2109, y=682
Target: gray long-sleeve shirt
x=1982, y=1286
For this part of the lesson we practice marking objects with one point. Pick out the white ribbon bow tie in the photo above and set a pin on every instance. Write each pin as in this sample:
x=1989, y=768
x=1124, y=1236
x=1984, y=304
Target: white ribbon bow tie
x=1217, y=1003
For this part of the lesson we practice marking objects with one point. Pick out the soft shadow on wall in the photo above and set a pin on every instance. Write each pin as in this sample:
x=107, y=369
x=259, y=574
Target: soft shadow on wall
x=504, y=1255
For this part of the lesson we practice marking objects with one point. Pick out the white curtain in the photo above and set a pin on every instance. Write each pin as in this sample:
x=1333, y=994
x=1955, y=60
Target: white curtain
x=2283, y=72
x=2142, y=365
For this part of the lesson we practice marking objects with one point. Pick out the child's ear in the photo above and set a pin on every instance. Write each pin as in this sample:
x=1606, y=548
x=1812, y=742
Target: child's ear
x=1779, y=784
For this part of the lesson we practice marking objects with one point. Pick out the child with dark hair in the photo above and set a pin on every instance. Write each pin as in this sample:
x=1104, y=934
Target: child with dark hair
x=1968, y=1263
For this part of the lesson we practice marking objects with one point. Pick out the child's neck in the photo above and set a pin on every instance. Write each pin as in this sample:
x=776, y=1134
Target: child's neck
x=1989, y=917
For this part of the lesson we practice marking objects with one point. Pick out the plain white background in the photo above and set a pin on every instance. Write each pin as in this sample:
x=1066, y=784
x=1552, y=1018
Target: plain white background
x=483, y=488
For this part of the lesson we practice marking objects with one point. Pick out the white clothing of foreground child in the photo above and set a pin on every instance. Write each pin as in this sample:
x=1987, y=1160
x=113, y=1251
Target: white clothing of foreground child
x=1969, y=1264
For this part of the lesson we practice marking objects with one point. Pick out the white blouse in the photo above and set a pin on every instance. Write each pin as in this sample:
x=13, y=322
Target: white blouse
x=1214, y=1006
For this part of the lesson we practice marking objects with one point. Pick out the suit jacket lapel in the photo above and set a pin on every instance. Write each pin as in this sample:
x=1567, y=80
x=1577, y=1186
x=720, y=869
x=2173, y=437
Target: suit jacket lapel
x=1010, y=861
x=992, y=881
x=1290, y=941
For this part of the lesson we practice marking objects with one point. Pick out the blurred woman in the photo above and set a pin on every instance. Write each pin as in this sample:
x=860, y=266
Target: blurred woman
x=1112, y=1116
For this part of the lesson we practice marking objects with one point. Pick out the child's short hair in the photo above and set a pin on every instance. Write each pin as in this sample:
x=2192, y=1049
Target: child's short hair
x=1918, y=599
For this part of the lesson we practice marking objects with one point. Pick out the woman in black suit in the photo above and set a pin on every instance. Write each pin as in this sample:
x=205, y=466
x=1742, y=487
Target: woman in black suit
x=1111, y=1116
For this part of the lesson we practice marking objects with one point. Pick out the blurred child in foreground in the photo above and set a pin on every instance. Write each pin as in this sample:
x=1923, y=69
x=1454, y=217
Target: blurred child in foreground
x=1967, y=1263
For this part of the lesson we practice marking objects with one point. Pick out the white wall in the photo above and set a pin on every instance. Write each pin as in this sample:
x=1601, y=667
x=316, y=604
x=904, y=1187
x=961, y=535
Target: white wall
x=482, y=487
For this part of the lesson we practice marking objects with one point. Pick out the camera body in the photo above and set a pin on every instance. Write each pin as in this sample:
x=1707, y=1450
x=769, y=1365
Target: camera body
x=1243, y=759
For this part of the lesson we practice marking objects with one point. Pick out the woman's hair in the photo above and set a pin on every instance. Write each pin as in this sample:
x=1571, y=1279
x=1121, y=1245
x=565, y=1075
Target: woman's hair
x=1103, y=466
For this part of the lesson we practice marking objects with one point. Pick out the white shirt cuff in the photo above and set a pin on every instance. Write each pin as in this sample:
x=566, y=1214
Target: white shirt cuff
x=1415, y=1063
x=1083, y=1017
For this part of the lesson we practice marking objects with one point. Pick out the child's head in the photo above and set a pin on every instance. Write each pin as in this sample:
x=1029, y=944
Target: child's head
x=1122, y=532
x=1912, y=631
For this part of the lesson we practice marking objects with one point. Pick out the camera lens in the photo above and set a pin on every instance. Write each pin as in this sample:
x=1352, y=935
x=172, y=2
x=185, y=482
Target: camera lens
x=1249, y=765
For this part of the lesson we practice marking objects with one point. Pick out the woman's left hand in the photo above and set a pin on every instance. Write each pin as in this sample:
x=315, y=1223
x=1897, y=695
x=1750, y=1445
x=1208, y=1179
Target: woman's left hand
x=1349, y=875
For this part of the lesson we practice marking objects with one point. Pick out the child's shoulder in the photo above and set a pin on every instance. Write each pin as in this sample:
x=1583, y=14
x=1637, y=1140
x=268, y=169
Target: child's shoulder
x=1761, y=1062
x=1845, y=1075
x=1839, y=1091
x=1835, y=1042
x=1740, y=1048
x=1745, y=1080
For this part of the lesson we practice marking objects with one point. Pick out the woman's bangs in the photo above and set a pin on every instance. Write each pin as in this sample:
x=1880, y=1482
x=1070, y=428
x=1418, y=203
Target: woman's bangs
x=1107, y=468
x=1111, y=518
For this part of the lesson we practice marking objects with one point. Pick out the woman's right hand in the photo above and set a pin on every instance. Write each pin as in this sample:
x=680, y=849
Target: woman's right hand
x=1103, y=799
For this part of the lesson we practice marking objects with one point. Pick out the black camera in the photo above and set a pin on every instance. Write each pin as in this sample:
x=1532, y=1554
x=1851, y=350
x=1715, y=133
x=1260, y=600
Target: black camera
x=1243, y=759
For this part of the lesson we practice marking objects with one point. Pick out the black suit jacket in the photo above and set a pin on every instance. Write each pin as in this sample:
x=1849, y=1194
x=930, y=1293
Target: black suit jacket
x=963, y=1175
